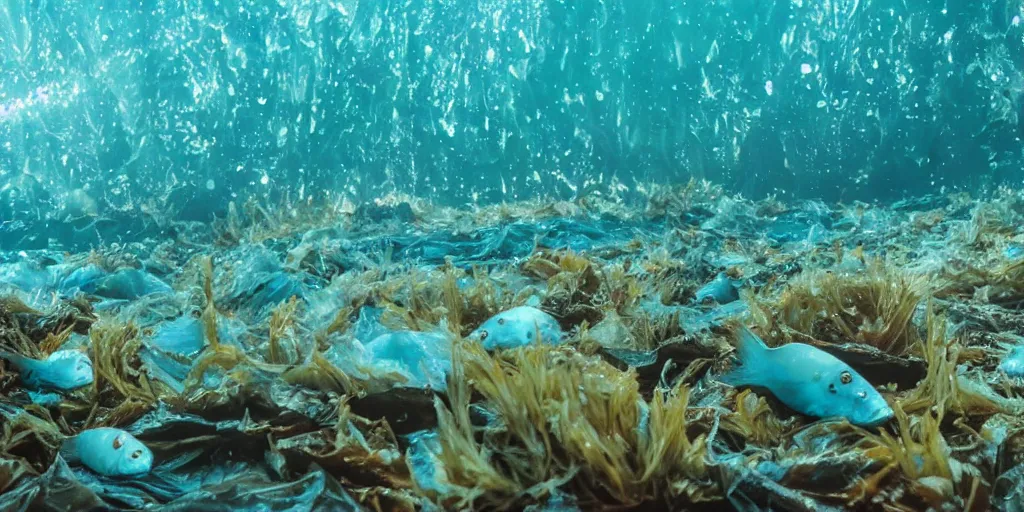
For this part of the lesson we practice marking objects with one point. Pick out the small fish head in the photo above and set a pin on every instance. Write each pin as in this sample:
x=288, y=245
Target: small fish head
x=81, y=373
x=133, y=457
x=71, y=369
x=853, y=397
x=494, y=331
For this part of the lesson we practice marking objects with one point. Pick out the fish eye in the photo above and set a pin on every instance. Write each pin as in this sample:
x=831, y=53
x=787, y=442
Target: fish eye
x=136, y=454
x=483, y=335
x=501, y=321
x=845, y=378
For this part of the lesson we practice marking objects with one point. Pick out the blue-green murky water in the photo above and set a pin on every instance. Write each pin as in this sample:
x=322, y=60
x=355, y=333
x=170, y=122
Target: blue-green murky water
x=180, y=106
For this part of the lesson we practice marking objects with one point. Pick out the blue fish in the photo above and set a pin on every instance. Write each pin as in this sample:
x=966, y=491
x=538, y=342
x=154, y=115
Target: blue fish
x=517, y=327
x=809, y=381
x=109, y=452
x=64, y=370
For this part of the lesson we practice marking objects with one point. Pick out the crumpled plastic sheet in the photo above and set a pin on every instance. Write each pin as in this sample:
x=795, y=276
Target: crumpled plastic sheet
x=422, y=455
x=203, y=463
x=1013, y=363
x=1008, y=492
x=126, y=283
x=697, y=319
x=507, y=242
x=253, y=279
x=167, y=354
x=795, y=227
x=735, y=217
x=229, y=487
x=424, y=358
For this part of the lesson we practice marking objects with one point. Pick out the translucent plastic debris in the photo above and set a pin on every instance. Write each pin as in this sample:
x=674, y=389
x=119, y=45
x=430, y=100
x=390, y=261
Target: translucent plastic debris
x=1013, y=364
x=130, y=284
x=424, y=358
x=723, y=290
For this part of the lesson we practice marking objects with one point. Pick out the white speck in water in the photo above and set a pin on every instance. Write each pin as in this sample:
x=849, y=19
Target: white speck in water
x=427, y=51
x=261, y=101
x=948, y=36
x=526, y=43
x=995, y=77
x=805, y=68
x=210, y=185
x=769, y=87
x=265, y=179
x=105, y=37
x=821, y=104
x=599, y=95
x=1016, y=20
x=490, y=55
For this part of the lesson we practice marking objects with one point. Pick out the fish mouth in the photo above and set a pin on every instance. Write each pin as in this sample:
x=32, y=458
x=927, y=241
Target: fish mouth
x=879, y=417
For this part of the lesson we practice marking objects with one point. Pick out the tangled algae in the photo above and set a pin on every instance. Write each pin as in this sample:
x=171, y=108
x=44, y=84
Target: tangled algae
x=564, y=421
x=874, y=307
x=273, y=393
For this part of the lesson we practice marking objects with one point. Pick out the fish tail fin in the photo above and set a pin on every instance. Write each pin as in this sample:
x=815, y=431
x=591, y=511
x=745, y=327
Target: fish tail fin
x=69, y=450
x=751, y=352
x=12, y=357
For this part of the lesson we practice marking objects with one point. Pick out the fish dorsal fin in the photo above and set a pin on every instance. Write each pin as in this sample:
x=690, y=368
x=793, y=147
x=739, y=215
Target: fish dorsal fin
x=748, y=346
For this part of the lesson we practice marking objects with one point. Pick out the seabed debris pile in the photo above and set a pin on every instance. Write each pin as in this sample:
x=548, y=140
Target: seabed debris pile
x=532, y=356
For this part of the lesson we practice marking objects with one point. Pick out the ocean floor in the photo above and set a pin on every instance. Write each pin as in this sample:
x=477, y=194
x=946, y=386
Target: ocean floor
x=532, y=356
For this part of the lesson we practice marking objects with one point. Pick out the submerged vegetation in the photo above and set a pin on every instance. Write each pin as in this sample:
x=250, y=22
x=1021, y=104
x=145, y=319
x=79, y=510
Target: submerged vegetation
x=335, y=354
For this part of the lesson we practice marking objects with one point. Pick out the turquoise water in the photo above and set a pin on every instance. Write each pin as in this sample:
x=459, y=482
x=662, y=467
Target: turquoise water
x=176, y=107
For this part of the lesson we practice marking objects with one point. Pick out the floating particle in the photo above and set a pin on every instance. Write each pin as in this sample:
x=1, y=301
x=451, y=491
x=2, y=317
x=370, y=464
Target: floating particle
x=805, y=68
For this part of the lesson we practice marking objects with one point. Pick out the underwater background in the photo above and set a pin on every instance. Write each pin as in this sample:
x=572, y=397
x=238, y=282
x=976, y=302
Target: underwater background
x=539, y=255
x=178, y=107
